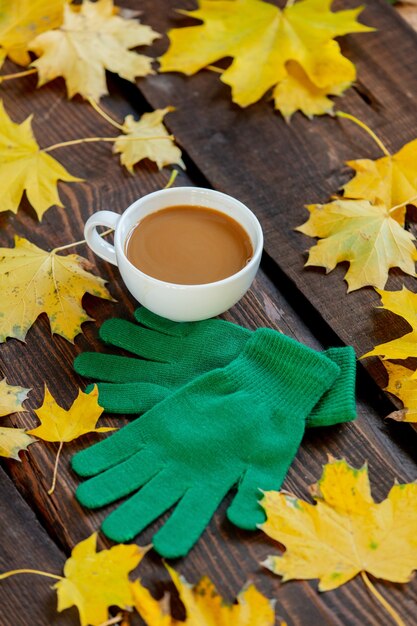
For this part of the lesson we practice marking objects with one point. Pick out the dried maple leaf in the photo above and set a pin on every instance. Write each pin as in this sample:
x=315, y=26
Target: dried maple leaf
x=22, y=20
x=12, y=441
x=91, y=40
x=61, y=425
x=346, y=532
x=404, y=304
x=365, y=235
x=401, y=385
x=94, y=581
x=204, y=606
x=290, y=49
x=11, y=398
x=25, y=167
x=390, y=180
x=33, y=281
x=150, y=130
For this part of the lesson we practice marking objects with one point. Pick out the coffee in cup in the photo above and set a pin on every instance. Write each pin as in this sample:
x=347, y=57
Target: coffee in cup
x=188, y=245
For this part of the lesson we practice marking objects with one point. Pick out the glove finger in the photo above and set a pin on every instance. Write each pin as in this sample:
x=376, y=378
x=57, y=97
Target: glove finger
x=245, y=510
x=130, y=398
x=140, y=341
x=117, y=448
x=119, y=481
x=156, y=497
x=113, y=368
x=162, y=325
x=188, y=521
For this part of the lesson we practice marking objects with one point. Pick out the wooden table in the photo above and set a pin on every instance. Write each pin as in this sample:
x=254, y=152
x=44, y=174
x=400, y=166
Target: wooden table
x=275, y=168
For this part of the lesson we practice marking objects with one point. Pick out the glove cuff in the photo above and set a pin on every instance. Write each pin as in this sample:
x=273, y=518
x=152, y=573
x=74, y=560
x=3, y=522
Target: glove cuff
x=338, y=403
x=282, y=371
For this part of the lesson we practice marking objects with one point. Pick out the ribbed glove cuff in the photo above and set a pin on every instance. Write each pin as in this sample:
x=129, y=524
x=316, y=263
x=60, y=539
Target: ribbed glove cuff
x=282, y=371
x=338, y=404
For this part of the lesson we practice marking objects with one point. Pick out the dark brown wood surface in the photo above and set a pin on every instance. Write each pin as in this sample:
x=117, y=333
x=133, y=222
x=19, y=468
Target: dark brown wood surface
x=276, y=169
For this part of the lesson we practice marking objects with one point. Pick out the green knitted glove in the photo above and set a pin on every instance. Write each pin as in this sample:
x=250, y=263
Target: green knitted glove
x=238, y=425
x=177, y=353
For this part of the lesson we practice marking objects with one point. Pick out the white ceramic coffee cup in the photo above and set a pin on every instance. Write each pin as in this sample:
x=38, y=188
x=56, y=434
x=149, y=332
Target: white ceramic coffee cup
x=180, y=303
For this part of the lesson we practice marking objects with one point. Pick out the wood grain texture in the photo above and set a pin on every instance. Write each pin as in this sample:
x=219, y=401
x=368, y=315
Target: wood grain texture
x=25, y=544
x=275, y=169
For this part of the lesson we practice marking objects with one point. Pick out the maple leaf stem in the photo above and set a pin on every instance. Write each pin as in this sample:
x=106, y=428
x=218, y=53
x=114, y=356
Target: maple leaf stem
x=398, y=206
x=73, y=142
x=366, y=128
x=52, y=489
x=103, y=114
x=213, y=68
x=78, y=243
x=18, y=74
x=392, y=612
x=13, y=572
x=172, y=178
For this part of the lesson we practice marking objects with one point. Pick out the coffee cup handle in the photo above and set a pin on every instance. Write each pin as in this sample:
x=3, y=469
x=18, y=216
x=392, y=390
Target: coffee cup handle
x=98, y=245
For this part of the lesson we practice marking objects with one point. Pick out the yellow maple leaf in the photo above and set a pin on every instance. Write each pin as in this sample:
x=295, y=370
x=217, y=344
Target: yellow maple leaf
x=404, y=304
x=365, y=235
x=262, y=40
x=58, y=424
x=25, y=167
x=61, y=425
x=345, y=532
x=11, y=398
x=150, y=130
x=12, y=441
x=401, y=385
x=33, y=281
x=94, y=581
x=390, y=180
x=22, y=20
x=91, y=40
x=204, y=606
x=296, y=92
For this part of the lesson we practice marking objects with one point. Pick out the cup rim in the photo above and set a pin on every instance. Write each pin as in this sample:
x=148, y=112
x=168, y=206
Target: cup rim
x=172, y=191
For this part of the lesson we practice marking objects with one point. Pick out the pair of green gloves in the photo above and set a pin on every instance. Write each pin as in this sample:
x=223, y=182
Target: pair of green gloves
x=223, y=407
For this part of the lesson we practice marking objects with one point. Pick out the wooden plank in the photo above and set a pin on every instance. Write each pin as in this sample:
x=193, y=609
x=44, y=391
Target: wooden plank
x=229, y=556
x=27, y=599
x=277, y=168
